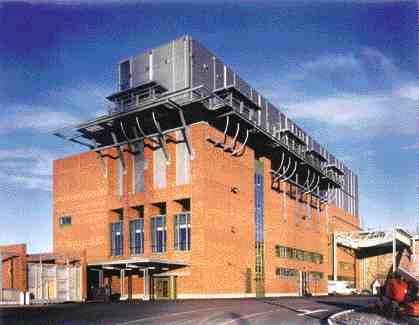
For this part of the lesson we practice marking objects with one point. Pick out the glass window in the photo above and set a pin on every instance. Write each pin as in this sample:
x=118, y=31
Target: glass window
x=116, y=239
x=136, y=229
x=65, y=220
x=286, y=273
x=158, y=234
x=182, y=232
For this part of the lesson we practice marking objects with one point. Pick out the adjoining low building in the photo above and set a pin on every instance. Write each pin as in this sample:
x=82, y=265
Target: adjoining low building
x=46, y=277
x=379, y=253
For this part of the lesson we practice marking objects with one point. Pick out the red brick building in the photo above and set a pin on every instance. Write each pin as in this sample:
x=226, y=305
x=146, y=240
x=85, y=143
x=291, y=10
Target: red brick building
x=195, y=186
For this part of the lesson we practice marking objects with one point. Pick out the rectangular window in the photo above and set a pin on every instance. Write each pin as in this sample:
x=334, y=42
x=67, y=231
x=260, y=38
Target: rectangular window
x=285, y=273
x=158, y=234
x=183, y=161
x=116, y=239
x=159, y=169
x=182, y=232
x=136, y=229
x=65, y=220
x=120, y=182
x=138, y=169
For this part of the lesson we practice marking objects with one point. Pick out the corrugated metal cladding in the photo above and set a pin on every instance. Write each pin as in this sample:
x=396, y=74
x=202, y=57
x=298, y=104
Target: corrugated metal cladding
x=184, y=63
x=54, y=282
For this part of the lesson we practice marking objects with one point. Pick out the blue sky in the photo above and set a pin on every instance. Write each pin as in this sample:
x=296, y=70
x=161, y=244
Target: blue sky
x=345, y=70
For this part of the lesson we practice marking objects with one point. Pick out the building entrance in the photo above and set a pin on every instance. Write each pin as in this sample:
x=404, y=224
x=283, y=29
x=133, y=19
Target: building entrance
x=304, y=284
x=162, y=288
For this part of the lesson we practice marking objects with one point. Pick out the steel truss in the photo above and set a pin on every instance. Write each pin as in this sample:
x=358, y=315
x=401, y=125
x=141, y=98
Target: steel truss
x=153, y=120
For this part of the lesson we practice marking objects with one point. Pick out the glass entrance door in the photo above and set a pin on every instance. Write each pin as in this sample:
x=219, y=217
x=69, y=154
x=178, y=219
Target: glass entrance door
x=162, y=288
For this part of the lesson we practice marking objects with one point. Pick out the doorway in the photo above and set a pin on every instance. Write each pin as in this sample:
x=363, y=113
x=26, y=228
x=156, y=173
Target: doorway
x=305, y=283
x=162, y=288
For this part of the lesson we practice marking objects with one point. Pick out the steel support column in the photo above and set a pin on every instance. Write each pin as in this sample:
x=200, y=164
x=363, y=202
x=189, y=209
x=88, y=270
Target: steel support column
x=1, y=277
x=335, y=262
x=146, y=279
x=122, y=281
x=120, y=152
x=394, y=250
x=161, y=138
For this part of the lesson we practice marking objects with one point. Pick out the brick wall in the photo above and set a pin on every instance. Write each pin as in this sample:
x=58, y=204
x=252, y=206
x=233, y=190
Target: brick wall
x=222, y=222
x=14, y=267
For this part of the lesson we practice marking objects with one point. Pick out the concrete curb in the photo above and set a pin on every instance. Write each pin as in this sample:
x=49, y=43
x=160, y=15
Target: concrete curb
x=331, y=319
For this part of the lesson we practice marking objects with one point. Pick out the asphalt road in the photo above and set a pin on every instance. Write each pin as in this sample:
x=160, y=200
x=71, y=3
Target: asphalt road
x=313, y=310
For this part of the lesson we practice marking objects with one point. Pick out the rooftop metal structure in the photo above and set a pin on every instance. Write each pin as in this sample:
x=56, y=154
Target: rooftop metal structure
x=179, y=83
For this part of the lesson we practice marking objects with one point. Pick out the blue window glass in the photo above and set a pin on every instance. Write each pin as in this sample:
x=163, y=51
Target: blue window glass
x=137, y=236
x=116, y=239
x=182, y=232
x=158, y=234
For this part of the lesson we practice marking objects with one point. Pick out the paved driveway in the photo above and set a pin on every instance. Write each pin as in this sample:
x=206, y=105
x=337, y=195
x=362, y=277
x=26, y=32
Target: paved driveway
x=313, y=310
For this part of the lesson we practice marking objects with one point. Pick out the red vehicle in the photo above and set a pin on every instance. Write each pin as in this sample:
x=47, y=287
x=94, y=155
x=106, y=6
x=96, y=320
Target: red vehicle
x=399, y=295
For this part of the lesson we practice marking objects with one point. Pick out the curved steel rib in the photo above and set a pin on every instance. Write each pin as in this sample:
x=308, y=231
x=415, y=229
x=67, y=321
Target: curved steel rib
x=240, y=150
x=231, y=147
x=293, y=172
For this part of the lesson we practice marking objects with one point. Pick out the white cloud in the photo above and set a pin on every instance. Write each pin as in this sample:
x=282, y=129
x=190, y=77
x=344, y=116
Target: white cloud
x=409, y=91
x=28, y=167
x=63, y=107
x=36, y=119
x=367, y=114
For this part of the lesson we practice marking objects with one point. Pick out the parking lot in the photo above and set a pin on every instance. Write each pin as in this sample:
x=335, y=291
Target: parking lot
x=313, y=310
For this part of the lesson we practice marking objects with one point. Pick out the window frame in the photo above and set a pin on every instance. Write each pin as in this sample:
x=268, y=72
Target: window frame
x=65, y=218
x=155, y=231
x=178, y=224
x=117, y=246
x=133, y=230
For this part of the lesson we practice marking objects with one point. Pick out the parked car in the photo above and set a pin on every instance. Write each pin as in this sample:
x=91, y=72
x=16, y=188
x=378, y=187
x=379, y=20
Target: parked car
x=341, y=288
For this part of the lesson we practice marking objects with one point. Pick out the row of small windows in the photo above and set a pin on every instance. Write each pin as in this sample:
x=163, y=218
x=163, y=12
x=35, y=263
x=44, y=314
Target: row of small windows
x=158, y=234
x=298, y=254
x=286, y=273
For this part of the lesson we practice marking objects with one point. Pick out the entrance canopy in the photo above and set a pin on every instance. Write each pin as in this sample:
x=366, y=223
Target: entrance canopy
x=374, y=238
x=138, y=264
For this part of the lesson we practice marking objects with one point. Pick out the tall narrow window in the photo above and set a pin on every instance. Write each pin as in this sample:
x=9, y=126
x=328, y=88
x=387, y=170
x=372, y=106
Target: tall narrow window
x=183, y=161
x=159, y=169
x=120, y=182
x=138, y=169
x=182, y=232
x=116, y=239
x=136, y=229
x=158, y=234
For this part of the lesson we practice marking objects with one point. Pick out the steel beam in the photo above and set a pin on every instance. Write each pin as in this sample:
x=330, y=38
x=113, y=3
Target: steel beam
x=185, y=127
x=242, y=147
x=231, y=147
x=120, y=152
x=161, y=137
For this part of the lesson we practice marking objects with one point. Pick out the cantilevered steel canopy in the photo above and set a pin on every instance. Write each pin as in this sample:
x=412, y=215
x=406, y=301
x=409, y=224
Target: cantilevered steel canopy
x=149, y=112
x=138, y=263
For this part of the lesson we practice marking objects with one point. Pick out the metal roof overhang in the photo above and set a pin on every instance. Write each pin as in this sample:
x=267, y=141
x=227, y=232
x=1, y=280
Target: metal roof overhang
x=140, y=263
x=169, y=112
x=374, y=239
